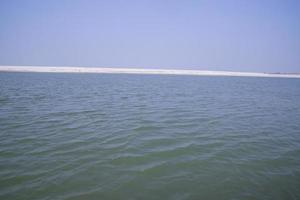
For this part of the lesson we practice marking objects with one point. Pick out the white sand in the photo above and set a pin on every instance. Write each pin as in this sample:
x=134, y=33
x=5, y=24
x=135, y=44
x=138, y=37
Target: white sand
x=138, y=71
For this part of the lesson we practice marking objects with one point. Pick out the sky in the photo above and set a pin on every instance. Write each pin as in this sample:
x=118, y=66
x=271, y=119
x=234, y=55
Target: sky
x=240, y=35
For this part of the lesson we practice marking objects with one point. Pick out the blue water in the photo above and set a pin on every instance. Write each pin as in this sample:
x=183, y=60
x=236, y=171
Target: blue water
x=104, y=136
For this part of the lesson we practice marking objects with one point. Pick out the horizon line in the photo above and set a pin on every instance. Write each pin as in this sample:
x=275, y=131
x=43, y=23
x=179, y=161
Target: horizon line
x=120, y=70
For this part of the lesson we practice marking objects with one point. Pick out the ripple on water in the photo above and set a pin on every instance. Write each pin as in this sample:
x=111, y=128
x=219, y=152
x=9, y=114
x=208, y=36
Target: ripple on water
x=84, y=136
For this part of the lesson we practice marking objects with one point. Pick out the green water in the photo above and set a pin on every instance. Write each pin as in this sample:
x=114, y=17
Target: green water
x=93, y=136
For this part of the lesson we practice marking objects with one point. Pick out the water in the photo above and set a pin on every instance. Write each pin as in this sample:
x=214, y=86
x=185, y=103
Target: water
x=93, y=136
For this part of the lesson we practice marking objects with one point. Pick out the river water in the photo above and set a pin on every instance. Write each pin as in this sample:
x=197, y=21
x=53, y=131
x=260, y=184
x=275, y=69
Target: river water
x=105, y=136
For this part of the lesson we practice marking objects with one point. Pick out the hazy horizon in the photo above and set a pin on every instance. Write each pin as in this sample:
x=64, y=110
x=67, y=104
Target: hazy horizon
x=47, y=68
x=245, y=36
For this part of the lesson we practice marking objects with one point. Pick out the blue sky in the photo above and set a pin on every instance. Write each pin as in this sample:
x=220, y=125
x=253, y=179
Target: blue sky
x=241, y=35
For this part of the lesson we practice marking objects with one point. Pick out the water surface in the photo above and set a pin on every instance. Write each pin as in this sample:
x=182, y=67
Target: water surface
x=104, y=136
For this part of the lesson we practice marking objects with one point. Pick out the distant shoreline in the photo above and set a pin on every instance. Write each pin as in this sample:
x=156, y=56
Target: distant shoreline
x=49, y=69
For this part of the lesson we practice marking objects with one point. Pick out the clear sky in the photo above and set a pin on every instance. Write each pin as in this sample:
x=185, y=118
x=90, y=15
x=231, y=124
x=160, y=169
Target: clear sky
x=241, y=35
